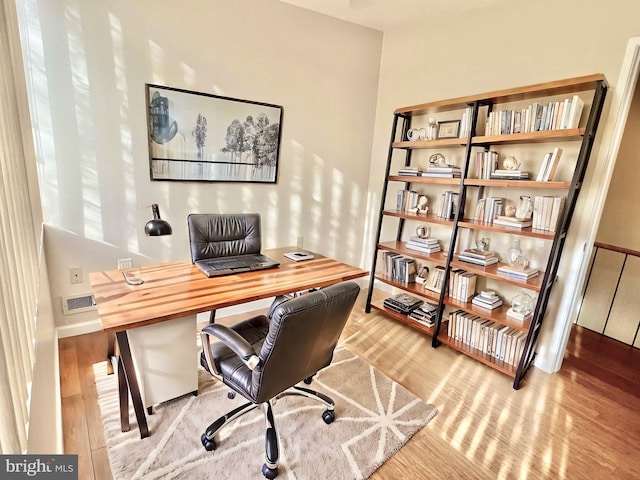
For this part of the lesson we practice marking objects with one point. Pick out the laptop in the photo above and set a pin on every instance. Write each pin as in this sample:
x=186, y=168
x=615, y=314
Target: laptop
x=215, y=267
x=224, y=244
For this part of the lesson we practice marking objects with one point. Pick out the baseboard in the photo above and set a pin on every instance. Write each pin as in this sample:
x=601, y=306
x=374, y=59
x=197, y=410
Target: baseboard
x=79, y=328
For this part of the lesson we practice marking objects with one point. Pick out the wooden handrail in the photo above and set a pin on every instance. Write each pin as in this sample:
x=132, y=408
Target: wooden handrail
x=615, y=248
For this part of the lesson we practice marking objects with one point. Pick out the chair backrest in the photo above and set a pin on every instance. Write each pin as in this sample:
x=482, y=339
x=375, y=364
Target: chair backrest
x=223, y=235
x=303, y=334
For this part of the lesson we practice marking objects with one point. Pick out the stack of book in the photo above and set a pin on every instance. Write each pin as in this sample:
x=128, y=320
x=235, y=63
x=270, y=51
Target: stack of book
x=449, y=171
x=518, y=274
x=410, y=171
x=487, y=300
x=478, y=257
x=513, y=222
x=403, y=303
x=424, y=245
x=509, y=175
x=425, y=314
x=519, y=316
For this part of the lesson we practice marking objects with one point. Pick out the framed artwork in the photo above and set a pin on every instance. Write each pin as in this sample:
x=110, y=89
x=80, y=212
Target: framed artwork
x=197, y=136
x=448, y=129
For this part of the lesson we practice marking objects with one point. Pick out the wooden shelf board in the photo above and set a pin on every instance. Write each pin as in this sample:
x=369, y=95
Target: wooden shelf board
x=524, y=232
x=429, y=217
x=491, y=271
x=439, y=258
x=566, y=135
x=417, y=179
x=441, y=143
x=545, y=89
x=496, y=315
x=478, y=355
x=482, y=182
x=403, y=318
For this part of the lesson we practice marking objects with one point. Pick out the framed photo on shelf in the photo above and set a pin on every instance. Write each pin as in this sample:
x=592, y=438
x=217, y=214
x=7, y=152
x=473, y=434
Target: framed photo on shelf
x=197, y=136
x=448, y=129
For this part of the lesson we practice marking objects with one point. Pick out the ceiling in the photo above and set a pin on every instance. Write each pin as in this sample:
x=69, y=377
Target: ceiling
x=386, y=15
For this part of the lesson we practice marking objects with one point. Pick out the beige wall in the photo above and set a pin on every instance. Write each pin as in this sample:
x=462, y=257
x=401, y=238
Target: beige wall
x=619, y=225
x=87, y=65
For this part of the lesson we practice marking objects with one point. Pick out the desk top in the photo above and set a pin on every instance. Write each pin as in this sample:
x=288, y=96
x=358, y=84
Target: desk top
x=177, y=289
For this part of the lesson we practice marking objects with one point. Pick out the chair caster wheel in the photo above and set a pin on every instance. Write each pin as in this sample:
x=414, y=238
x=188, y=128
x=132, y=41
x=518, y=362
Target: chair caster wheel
x=270, y=473
x=328, y=416
x=308, y=380
x=209, y=445
x=231, y=395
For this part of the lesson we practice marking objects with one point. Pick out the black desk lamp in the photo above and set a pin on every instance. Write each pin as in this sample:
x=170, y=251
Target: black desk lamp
x=157, y=226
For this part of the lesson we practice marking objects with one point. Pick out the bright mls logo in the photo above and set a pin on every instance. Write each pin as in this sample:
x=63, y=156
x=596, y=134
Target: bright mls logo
x=51, y=467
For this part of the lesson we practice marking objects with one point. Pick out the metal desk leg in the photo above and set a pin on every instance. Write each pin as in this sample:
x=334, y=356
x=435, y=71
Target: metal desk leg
x=132, y=382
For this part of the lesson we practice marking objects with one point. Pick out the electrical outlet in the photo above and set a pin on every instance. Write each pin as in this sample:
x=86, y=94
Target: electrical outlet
x=75, y=274
x=125, y=263
x=299, y=242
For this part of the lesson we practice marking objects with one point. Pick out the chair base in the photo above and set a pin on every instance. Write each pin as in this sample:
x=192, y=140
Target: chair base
x=272, y=448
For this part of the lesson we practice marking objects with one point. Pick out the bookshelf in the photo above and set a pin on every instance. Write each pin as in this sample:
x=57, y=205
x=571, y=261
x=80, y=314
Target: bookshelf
x=459, y=230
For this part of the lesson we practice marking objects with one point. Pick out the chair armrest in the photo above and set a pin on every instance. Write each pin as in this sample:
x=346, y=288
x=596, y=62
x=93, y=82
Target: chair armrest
x=231, y=339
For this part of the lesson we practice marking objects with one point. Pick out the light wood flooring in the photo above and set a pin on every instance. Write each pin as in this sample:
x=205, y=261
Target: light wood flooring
x=582, y=423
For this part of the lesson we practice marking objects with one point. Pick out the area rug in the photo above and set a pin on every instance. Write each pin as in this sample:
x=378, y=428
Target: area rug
x=375, y=416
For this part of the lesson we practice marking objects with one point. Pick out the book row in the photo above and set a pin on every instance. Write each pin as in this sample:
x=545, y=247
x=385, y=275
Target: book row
x=558, y=115
x=547, y=211
x=500, y=342
x=462, y=285
x=400, y=268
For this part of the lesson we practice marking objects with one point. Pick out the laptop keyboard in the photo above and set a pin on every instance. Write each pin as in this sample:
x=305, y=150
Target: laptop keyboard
x=232, y=263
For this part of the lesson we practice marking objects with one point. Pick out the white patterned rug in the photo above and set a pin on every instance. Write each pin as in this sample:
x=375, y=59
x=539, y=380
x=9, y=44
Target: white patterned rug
x=374, y=417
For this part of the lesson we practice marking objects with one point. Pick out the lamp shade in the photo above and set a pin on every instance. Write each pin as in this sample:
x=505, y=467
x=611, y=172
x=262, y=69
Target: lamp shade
x=157, y=226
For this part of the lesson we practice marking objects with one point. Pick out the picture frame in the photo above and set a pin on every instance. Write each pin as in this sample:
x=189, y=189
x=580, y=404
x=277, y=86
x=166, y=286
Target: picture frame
x=448, y=129
x=195, y=136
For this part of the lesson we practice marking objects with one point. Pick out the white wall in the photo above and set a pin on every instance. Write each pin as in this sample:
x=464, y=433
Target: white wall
x=87, y=63
x=507, y=45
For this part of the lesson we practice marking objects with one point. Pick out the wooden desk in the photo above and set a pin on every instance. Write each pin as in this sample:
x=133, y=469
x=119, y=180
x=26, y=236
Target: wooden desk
x=178, y=289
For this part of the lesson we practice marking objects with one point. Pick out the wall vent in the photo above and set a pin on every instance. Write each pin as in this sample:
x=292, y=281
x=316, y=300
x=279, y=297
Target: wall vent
x=78, y=303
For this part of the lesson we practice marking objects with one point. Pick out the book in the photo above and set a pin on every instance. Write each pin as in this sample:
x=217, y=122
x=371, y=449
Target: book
x=543, y=167
x=489, y=303
x=402, y=303
x=512, y=222
x=521, y=317
x=556, y=212
x=513, y=175
x=420, y=247
x=513, y=272
x=553, y=164
x=577, y=105
x=483, y=262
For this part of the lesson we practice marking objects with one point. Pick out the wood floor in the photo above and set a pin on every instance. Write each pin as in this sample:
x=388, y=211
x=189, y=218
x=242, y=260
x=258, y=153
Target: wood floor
x=583, y=422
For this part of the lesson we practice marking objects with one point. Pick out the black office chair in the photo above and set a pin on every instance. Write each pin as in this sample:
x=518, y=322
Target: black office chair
x=264, y=358
x=223, y=235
